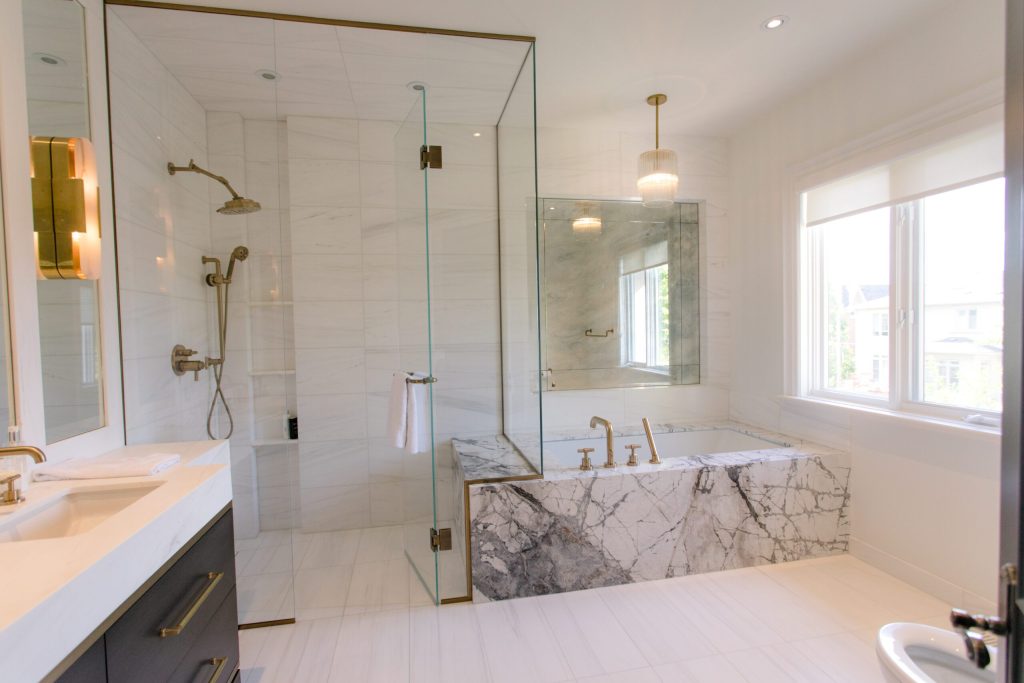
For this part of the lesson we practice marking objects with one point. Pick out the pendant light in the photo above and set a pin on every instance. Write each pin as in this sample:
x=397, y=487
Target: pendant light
x=587, y=220
x=658, y=178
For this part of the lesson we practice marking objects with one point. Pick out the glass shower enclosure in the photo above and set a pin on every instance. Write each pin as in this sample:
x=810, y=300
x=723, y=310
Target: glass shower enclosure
x=397, y=175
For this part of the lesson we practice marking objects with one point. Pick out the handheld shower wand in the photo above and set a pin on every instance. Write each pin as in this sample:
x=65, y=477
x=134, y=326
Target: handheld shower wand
x=221, y=281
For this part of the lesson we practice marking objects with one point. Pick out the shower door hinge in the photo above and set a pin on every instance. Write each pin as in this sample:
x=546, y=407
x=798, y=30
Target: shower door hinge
x=430, y=157
x=440, y=539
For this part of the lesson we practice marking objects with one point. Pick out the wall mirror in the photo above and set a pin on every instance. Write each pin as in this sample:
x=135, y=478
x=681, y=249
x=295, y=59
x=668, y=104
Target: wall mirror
x=65, y=213
x=8, y=414
x=620, y=294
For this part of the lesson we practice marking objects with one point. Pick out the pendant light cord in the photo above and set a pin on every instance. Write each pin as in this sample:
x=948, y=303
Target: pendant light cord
x=657, y=124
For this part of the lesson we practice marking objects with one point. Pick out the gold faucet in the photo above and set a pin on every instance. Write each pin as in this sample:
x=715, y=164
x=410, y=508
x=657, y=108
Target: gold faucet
x=31, y=451
x=594, y=421
x=11, y=495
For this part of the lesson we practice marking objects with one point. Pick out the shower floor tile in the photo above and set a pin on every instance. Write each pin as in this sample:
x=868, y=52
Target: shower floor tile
x=806, y=622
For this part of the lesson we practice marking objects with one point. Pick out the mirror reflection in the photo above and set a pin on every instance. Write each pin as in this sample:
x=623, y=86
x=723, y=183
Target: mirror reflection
x=620, y=303
x=65, y=213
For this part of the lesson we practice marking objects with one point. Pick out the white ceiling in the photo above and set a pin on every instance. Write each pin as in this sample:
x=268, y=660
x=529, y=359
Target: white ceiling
x=596, y=61
x=327, y=70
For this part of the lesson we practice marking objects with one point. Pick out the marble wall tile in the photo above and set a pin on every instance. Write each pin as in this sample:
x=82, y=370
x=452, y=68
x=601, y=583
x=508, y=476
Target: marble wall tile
x=322, y=138
x=163, y=226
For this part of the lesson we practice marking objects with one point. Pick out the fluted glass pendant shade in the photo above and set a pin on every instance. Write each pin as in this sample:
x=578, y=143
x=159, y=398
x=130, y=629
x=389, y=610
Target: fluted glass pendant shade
x=657, y=169
x=658, y=175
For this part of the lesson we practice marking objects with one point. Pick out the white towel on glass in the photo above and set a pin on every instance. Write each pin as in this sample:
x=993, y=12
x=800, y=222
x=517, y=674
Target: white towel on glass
x=409, y=413
x=106, y=466
x=397, y=410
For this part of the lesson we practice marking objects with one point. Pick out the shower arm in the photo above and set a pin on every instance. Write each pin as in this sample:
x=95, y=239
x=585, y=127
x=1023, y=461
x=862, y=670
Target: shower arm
x=194, y=168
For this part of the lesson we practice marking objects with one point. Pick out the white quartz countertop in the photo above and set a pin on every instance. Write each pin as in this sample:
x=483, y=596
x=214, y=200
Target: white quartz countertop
x=57, y=591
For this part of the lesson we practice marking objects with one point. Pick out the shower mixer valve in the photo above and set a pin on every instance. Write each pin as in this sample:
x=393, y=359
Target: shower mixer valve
x=181, y=364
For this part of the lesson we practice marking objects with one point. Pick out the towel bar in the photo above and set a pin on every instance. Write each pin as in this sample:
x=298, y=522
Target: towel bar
x=418, y=380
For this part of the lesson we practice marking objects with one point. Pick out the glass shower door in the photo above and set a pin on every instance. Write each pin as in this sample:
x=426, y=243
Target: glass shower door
x=414, y=345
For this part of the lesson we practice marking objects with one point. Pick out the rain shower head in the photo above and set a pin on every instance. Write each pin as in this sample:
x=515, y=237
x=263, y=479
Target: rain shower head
x=236, y=206
x=239, y=206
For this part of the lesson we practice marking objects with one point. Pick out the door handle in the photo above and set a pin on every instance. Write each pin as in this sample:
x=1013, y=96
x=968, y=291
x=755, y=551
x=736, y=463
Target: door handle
x=963, y=622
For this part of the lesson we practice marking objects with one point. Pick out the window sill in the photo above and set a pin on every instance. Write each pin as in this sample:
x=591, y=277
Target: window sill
x=958, y=427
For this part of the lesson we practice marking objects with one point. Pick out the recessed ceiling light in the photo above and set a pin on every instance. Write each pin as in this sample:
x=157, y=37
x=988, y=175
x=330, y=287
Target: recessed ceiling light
x=476, y=135
x=774, y=22
x=268, y=75
x=48, y=59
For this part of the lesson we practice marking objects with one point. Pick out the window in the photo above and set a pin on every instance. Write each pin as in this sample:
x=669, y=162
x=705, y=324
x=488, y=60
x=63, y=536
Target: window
x=968, y=318
x=902, y=299
x=880, y=324
x=644, y=303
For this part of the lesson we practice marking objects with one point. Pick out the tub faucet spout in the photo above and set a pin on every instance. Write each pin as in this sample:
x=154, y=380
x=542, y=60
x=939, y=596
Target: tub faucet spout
x=594, y=421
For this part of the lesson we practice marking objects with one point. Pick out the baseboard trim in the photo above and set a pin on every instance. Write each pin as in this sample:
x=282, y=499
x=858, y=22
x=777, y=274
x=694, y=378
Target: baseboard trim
x=922, y=579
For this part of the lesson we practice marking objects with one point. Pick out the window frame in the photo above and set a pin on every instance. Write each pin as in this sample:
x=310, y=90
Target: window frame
x=905, y=329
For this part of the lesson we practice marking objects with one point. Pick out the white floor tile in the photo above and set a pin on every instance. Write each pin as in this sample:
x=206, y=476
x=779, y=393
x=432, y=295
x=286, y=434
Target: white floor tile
x=660, y=630
x=807, y=622
x=715, y=669
x=777, y=664
x=446, y=646
x=645, y=675
x=519, y=644
x=591, y=638
x=844, y=657
x=372, y=648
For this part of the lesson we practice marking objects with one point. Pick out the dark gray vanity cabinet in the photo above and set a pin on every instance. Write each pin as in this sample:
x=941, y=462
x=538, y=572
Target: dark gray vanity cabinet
x=183, y=628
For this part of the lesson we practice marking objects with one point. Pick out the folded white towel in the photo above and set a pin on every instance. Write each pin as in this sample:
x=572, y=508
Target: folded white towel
x=106, y=466
x=417, y=429
x=409, y=414
x=397, y=410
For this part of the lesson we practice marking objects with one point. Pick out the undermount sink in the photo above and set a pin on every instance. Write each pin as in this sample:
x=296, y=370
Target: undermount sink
x=72, y=513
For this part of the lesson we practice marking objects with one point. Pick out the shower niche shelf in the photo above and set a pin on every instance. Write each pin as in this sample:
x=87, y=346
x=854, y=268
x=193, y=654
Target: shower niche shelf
x=260, y=304
x=273, y=442
x=270, y=373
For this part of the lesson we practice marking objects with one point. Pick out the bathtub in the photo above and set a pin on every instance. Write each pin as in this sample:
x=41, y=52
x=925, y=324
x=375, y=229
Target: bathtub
x=564, y=455
x=725, y=496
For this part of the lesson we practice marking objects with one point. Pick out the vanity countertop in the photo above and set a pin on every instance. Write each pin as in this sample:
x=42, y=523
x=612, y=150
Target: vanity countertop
x=58, y=591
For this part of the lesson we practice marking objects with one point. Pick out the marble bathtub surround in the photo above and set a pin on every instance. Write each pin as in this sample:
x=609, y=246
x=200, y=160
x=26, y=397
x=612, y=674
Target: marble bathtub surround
x=587, y=311
x=574, y=530
x=489, y=458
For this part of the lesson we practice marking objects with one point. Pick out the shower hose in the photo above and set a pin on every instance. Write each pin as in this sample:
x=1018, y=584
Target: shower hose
x=218, y=367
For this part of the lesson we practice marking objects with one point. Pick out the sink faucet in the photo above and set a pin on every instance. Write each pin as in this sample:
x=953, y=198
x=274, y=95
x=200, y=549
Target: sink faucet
x=11, y=495
x=31, y=451
x=594, y=421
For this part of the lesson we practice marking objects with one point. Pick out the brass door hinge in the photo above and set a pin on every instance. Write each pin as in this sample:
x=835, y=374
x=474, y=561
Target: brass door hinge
x=430, y=157
x=440, y=539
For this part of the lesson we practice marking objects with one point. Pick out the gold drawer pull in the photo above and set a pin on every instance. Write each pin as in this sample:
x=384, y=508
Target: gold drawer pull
x=220, y=663
x=213, y=578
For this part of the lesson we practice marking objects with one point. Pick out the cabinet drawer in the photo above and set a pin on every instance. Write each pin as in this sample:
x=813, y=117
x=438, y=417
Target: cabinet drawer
x=214, y=657
x=188, y=593
x=91, y=667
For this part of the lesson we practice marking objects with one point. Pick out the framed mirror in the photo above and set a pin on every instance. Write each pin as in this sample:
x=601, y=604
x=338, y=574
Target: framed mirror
x=8, y=412
x=620, y=294
x=65, y=212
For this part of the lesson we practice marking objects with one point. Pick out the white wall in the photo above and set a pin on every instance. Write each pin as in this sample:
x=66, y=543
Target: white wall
x=925, y=497
x=578, y=163
x=163, y=230
x=359, y=282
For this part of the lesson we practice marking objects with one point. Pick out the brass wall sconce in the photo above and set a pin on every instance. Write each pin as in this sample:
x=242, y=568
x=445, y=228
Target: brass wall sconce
x=65, y=208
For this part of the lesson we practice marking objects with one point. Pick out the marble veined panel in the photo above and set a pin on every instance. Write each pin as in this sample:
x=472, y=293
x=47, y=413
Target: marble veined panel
x=688, y=516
